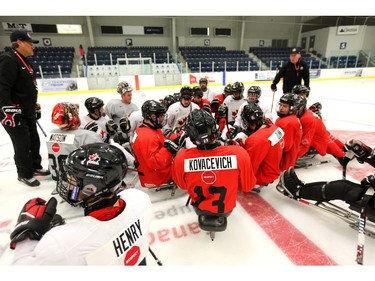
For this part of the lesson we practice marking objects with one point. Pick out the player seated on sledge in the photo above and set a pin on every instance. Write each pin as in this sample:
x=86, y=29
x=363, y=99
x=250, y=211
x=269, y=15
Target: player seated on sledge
x=153, y=151
x=323, y=191
x=316, y=135
x=95, y=175
x=211, y=173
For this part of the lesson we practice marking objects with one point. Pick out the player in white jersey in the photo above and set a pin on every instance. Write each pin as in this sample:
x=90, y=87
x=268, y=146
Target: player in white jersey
x=118, y=108
x=67, y=137
x=178, y=112
x=96, y=119
x=253, y=95
x=208, y=93
x=114, y=229
x=233, y=103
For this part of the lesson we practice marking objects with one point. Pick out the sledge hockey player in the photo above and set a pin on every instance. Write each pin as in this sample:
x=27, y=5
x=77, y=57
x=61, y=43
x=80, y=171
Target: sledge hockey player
x=152, y=150
x=219, y=100
x=323, y=191
x=177, y=113
x=315, y=135
x=114, y=229
x=253, y=95
x=69, y=136
x=199, y=100
x=96, y=119
x=211, y=173
x=289, y=122
x=264, y=145
x=233, y=103
x=208, y=93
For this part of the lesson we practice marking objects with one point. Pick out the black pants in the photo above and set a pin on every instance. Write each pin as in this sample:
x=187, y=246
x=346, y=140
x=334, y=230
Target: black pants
x=26, y=144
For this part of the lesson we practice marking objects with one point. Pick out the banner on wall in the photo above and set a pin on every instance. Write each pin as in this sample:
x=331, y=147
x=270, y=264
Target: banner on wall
x=352, y=73
x=59, y=85
x=314, y=73
x=264, y=75
x=194, y=79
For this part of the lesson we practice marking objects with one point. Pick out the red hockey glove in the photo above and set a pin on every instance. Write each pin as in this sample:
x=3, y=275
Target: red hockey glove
x=34, y=220
x=12, y=115
x=361, y=151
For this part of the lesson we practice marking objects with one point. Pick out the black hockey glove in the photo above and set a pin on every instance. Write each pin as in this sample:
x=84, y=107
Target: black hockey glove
x=207, y=108
x=34, y=220
x=175, y=142
x=111, y=127
x=233, y=131
x=38, y=111
x=92, y=126
x=361, y=151
x=368, y=181
x=12, y=115
x=273, y=87
x=215, y=104
x=125, y=125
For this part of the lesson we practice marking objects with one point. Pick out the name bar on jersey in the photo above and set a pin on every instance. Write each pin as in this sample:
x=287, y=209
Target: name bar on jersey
x=210, y=163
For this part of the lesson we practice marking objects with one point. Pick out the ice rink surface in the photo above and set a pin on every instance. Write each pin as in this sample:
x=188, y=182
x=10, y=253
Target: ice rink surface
x=267, y=232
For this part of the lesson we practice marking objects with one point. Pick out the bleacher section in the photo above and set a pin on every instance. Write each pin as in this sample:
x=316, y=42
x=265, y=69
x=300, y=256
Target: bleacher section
x=208, y=59
x=275, y=57
x=344, y=61
x=109, y=55
x=52, y=60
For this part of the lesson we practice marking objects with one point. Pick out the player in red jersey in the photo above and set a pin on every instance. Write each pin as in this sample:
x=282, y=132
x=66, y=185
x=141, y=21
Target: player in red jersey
x=211, y=173
x=289, y=122
x=264, y=145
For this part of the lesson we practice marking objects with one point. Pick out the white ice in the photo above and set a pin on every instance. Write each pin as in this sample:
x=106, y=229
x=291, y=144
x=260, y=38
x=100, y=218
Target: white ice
x=348, y=111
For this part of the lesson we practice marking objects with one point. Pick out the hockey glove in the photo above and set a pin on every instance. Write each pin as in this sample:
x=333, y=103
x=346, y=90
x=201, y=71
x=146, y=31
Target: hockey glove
x=38, y=111
x=206, y=107
x=12, y=115
x=111, y=127
x=34, y=220
x=273, y=87
x=232, y=132
x=361, y=151
x=92, y=126
x=215, y=104
x=368, y=181
x=175, y=142
x=125, y=125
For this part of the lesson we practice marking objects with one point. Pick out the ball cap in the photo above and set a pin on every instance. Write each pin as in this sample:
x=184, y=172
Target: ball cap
x=294, y=51
x=21, y=35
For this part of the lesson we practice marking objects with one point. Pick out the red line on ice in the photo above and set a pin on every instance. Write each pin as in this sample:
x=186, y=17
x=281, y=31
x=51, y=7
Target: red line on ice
x=298, y=248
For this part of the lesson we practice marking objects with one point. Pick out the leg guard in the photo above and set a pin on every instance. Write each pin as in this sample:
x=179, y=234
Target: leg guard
x=334, y=190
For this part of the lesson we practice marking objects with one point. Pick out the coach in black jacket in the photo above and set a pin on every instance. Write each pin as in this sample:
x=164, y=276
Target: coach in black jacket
x=293, y=72
x=18, y=101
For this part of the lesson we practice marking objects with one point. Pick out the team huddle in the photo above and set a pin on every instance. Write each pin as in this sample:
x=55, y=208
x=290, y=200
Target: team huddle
x=211, y=145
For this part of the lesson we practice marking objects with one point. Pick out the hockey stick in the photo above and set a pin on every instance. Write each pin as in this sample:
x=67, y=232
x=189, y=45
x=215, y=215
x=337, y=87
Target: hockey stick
x=40, y=127
x=273, y=98
x=361, y=234
x=155, y=257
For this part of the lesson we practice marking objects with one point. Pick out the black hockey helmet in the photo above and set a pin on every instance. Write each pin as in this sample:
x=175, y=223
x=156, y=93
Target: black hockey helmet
x=252, y=114
x=301, y=89
x=228, y=89
x=197, y=92
x=150, y=107
x=168, y=100
x=291, y=100
x=186, y=93
x=238, y=87
x=177, y=96
x=90, y=172
x=300, y=105
x=201, y=127
x=222, y=110
x=93, y=104
x=254, y=91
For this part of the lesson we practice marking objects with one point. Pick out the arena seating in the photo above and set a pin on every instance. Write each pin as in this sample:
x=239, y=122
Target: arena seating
x=275, y=57
x=208, y=59
x=109, y=55
x=55, y=62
